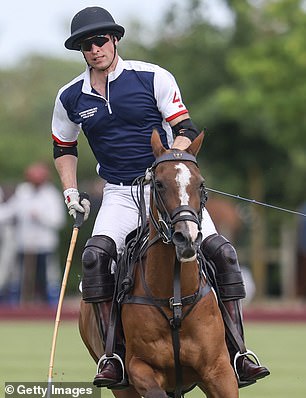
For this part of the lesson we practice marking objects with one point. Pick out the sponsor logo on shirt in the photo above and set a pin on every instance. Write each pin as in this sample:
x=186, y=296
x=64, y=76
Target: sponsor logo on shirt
x=88, y=112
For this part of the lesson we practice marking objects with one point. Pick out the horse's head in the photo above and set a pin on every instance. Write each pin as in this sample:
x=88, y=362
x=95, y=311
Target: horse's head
x=178, y=196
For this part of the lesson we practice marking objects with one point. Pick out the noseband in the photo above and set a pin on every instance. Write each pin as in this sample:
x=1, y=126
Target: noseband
x=166, y=221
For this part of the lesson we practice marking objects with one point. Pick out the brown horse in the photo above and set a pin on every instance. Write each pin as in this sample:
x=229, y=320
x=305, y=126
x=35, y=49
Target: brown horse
x=173, y=327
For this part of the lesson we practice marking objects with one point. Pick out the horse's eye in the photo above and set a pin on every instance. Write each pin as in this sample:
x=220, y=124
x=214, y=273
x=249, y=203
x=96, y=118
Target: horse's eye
x=159, y=185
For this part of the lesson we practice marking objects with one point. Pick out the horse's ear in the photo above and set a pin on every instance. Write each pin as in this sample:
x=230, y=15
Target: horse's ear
x=157, y=146
x=195, y=146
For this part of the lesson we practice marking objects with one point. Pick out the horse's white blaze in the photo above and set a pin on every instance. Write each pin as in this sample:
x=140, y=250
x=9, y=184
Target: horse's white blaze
x=183, y=180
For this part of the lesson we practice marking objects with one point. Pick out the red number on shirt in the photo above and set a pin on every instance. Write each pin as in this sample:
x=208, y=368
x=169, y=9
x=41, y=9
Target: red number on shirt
x=176, y=99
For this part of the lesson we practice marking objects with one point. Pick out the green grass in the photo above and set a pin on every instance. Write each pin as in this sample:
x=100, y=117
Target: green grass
x=25, y=354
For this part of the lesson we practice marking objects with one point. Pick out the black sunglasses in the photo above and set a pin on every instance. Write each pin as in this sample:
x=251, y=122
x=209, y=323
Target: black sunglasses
x=98, y=40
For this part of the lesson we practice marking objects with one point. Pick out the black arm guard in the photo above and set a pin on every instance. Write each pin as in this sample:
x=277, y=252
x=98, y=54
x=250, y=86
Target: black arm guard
x=185, y=128
x=59, y=151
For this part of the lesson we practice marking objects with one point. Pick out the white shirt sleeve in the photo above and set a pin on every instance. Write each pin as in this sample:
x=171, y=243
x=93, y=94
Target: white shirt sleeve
x=167, y=94
x=63, y=129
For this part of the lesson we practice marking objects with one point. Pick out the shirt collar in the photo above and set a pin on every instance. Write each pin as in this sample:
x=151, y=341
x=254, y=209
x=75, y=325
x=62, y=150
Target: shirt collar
x=112, y=76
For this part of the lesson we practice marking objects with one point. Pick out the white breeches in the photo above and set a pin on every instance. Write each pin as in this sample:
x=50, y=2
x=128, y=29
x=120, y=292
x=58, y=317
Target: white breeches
x=118, y=215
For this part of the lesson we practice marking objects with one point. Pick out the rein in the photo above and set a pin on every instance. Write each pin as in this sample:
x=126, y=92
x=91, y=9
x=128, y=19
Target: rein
x=256, y=202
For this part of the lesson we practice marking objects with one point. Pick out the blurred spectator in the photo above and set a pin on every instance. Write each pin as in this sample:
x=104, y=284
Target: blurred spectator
x=7, y=250
x=38, y=212
x=301, y=254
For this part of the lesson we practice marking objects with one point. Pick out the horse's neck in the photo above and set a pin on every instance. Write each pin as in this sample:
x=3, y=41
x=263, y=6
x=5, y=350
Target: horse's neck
x=159, y=271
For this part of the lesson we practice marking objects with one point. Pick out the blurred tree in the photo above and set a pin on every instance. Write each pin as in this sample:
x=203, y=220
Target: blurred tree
x=268, y=64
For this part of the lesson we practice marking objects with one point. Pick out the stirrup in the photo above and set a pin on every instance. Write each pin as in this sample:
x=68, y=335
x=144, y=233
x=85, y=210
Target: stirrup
x=244, y=354
x=121, y=384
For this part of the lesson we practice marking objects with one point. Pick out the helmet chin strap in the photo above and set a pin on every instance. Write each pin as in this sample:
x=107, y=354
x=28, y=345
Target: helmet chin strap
x=115, y=49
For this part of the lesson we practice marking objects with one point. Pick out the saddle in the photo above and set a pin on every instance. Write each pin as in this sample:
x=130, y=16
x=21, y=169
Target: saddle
x=136, y=244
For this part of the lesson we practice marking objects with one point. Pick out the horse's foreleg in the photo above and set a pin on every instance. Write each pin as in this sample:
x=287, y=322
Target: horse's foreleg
x=129, y=392
x=147, y=381
x=89, y=331
x=220, y=383
x=156, y=392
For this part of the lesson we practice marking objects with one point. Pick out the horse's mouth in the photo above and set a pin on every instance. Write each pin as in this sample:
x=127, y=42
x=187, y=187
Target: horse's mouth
x=186, y=249
x=186, y=254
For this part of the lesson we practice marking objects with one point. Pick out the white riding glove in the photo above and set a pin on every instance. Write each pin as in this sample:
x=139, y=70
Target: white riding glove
x=72, y=200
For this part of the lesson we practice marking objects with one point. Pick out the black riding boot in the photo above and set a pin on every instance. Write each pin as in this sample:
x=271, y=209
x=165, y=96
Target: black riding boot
x=230, y=288
x=110, y=371
x=98, y=286
x=247, y=371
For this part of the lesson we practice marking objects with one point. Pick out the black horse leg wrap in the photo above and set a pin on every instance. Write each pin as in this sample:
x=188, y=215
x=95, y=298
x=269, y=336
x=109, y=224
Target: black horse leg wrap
x=98, y=282
x=228, y=274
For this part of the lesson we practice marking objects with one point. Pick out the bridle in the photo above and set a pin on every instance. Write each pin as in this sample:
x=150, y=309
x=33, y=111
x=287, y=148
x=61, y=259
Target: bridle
x=165, y=223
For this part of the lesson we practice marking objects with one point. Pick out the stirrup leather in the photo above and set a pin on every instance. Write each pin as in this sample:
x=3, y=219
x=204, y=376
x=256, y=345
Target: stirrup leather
x=244, y=354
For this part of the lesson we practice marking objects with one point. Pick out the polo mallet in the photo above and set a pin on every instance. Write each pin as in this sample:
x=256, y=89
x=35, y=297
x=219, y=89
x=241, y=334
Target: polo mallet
x=76, y=227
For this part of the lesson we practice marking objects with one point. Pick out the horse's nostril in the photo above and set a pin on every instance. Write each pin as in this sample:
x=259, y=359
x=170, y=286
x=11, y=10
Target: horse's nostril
x=178, y=238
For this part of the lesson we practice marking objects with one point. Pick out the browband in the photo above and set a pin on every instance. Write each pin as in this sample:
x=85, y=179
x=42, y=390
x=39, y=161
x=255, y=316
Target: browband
x=175, y=155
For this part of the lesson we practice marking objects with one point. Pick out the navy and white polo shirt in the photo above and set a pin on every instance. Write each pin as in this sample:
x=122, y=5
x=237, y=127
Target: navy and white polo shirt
x=139, y=96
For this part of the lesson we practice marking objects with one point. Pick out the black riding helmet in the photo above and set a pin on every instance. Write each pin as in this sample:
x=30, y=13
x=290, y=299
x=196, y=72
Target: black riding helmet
x=92, y=20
